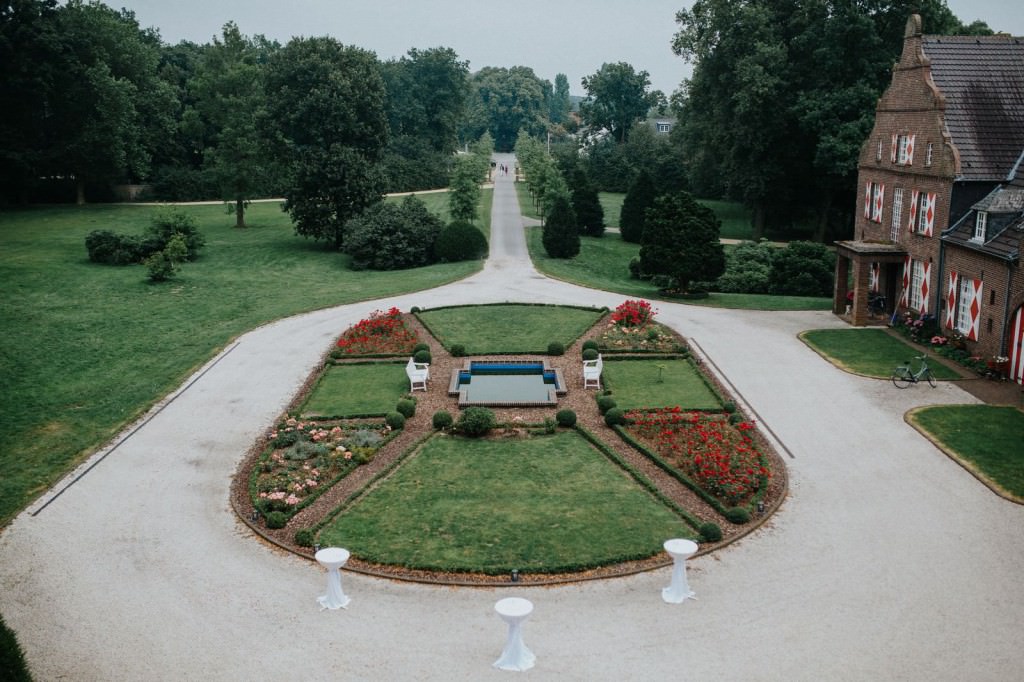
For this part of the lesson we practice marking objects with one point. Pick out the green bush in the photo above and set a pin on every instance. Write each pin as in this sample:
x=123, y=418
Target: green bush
x=565, y=418
x=634, y=268
x=735, y=418
x=406, y=408
x=803, y=269
x=422, y=356
x=458, y=350
x=305, y=537
x=590, y=354
x=110, y=248
x=170, y=222
x=729, y=407
x=13, y=667
x=415, y=309
x=276, y=519
x=737, y=515
x=615, y=416
x=460, y=241
x=159, y=266
x=476, y=421
x=560, y=236
x=395, y=420
x=420, y=346
x=710, y=532
x=590, y=344
x=556, y=348
x=389, y=236
x=442, y=420
x=605, y=403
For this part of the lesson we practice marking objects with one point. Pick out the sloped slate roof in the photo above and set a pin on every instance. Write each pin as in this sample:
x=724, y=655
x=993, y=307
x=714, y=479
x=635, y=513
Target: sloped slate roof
x=982, y=79
x=1005, y=225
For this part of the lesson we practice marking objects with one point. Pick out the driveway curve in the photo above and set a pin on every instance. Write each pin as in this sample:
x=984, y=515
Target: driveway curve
x=887, y=561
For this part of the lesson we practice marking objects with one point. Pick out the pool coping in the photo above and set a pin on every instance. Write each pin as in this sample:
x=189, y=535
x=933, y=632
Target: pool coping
x=467, y=365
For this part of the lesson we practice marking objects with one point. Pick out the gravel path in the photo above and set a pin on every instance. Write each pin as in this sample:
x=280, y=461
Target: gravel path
x=888, y=561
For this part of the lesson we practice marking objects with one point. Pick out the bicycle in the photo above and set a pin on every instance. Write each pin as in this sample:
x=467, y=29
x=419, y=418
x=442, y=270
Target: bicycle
x=903, y=375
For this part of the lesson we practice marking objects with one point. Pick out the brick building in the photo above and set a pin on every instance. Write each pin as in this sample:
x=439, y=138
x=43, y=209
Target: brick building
x=941, y=225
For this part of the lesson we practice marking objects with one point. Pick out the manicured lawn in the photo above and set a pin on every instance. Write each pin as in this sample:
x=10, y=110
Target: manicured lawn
x=640, y=383
x=87, y=348
x=508, y=328
x=357, y=390
x=543, y=504
x=611, y=203
x=870, y=352
x=603, y=263
x=985, y=437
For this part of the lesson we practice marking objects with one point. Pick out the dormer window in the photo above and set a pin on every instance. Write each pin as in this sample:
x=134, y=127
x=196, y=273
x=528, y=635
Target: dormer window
x=980, y=221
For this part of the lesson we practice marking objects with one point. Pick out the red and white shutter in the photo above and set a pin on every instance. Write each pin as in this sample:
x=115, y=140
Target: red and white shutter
x=876, y=214
x=926, y=276
x=950, y=320
x=905, y=291
x=1017, y=347
x=867, y=200
x=912, y=223
x=895, y=147
x=929, y=214
x=975, y=310
x=873, y=277
x=910, y=150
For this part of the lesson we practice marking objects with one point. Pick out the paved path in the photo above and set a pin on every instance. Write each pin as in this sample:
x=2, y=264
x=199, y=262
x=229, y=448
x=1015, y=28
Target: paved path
x=887, y=561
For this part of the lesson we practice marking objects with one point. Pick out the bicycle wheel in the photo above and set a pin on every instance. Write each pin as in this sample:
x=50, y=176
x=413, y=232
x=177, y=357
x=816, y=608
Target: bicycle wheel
x=930, y=378
x=901, y=378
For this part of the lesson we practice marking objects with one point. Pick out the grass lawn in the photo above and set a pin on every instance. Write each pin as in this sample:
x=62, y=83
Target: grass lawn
x=603, y=263
x=87, y=348
x=634, y=383
x=357, y=390
x=611, y=203
x=486, y=329
x=543, y=504
x=870, y=352
x=984, y=437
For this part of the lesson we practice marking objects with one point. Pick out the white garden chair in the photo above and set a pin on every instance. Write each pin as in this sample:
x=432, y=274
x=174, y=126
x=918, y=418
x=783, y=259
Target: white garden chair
x=418, y=373
x=592, y=373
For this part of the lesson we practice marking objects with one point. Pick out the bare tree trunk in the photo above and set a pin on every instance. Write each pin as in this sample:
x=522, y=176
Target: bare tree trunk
x=239, y=212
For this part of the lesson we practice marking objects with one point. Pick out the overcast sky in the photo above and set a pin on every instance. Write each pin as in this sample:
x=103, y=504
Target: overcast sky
x=550, y=36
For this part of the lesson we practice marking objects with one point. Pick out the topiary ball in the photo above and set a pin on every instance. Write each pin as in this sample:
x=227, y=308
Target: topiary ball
x=305, y=537
x=442, y=420
x=476, y=421
x=737, y=515
x=458, y=350
x=406, y=407
x=276, y=519
x=729, y=407
x=605, y=403
x=710, y=532
x=395, y=420
x=615, y=417
x=590, y=344
x=421, y=356
x=590, y=354
x=556, y=348
x=565, y=418
x=420, y=346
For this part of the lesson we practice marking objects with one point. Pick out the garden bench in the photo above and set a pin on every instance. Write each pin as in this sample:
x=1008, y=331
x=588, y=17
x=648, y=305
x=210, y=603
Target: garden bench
x=418, y=373
x=592, y=373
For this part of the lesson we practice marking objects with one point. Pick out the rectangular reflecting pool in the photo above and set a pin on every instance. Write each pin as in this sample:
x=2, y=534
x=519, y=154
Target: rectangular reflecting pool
x=506, y=383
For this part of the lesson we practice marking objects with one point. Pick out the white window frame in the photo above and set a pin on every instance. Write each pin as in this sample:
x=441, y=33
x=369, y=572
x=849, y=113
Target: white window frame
x=980, y=225
x=878, y=154
x=965, y=295
x=928, y=155
x=897, y=214
x=902, y=158
x=916, y=278
x=664, y=127
x=922, y=211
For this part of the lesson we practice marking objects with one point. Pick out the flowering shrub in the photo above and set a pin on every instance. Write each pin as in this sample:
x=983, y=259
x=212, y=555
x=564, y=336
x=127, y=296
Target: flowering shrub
x=939, y=340
x=719, y=457
x=381, y=332
x=633, y=313
x=307, y=456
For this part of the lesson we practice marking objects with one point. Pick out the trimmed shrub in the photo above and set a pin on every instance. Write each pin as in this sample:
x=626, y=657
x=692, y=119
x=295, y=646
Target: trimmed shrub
x=276, y=519
x=710, y=532
x=406, y=408
x=388, y=236
x=605, y=403
x=460, y=241
x=420, y=346
x=634, y=268
x=305, y=537
x=737, y=515
x=590, y=344
x=560, y=236
x=395, y=420
x=415, y=309
x=12, y=659
x=615, y=417
x=442, y=420
x=422, y=356
x=729, y=407
x=168, y=223
x=458, y=350
x=476, y=421
x=160, y=267
x=556, y=348
x=111, y=248
x=735, y=418
x=590, y=354
x=565, y=418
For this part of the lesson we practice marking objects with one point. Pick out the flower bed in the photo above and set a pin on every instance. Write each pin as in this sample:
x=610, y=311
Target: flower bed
x=718, y=456
x=306, y=457
x=382, y=333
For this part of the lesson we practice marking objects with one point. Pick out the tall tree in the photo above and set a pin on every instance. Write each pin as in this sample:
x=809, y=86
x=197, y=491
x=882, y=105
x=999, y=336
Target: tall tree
x=558, y=113
x=681, y=241
x=427, y=96
x=632, y=215
x=503, y=102
x=326, y=109
x=561, y=238
x=618, y=96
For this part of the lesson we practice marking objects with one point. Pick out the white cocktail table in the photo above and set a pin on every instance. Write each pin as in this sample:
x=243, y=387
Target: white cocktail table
x=514, y=610
x=333, y=558
x=679, y=591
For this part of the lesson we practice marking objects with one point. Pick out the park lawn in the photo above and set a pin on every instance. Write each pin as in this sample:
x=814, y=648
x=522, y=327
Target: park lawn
x=603, y=263
x=734, y=216
x=870, y=352
x=540, y=504
x=357, y=390
x=508, y=328
x=87, y=348
x=639, y=384
x=985, y=438
x=611, y=204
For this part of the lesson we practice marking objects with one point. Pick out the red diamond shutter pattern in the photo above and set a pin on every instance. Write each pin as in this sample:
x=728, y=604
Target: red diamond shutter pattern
x=929, y=215
x=926, y=276
x=975, y=310
x=950, y=318
x=895, y=147
x=910, y=150
x=876, y=215
x=874, y=276
x=912, y=223
x=867, y=201
x=905, y=291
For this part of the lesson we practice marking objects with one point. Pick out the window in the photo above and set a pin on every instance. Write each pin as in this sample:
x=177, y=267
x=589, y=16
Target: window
x=905, y=151
x=922, y=213
x=979, y=226
x=664, y=127
x=928, y=155
x=897, y=214
x=878, y=196
x=963, y=307
x=917, y=279
x=878, y=153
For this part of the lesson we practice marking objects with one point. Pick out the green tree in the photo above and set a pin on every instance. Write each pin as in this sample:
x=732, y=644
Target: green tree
x=464, y=189
x=618, y=96
x=586, y=204
x=561, y=105
x=802, y=269
x=503, y=102
x=326, y=112
x=560, y=237
x=681, y=241
x=632, y=215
